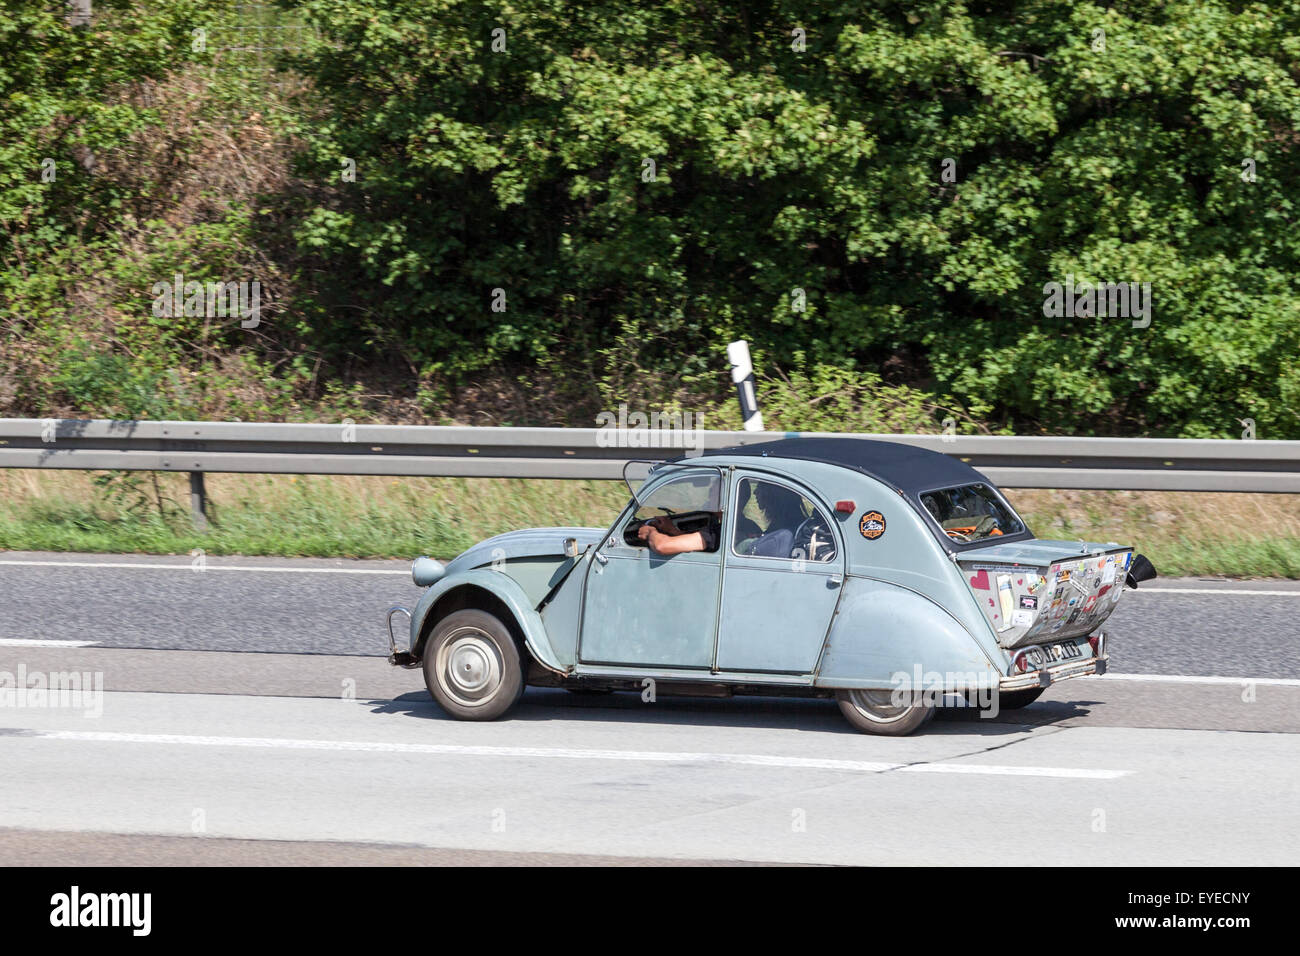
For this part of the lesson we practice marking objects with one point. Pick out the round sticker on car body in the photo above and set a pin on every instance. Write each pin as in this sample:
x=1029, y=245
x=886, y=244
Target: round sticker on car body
x=872, y=525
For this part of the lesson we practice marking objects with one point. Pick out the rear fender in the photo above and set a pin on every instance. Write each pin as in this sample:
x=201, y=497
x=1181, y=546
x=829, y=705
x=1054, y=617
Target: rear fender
x=881, y=631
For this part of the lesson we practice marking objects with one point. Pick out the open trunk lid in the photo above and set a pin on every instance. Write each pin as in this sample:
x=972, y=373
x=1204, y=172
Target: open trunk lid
x=1037, y=591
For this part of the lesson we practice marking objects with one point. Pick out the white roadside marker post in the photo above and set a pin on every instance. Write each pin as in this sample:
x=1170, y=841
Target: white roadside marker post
x=742, y=373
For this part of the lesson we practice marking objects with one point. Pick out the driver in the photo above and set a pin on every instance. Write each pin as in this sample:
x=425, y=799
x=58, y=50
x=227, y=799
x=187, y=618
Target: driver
x=784, y=513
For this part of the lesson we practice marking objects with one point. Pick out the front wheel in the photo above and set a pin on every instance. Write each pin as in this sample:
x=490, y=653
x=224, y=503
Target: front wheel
x=472, y=666
x=877, y=712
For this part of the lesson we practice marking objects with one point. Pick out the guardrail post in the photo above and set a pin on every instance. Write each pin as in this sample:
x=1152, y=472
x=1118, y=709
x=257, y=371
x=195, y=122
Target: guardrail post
x=198, y=501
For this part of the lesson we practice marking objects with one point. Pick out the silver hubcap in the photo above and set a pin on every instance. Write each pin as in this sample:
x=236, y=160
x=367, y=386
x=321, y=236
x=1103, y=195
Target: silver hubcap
x=879, y=706
x=470, y=666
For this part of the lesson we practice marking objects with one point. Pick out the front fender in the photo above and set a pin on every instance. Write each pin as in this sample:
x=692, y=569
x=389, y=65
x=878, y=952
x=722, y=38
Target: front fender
x=505, y=589
x=881, y=630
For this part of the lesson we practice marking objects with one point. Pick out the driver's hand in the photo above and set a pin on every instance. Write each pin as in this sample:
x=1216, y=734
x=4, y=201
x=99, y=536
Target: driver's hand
x=643, y=532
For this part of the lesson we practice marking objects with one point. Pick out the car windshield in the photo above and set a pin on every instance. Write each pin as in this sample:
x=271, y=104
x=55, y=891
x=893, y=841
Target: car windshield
x=971, y=513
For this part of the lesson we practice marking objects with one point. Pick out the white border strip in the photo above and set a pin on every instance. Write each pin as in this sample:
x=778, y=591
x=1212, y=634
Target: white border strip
x=651, y=756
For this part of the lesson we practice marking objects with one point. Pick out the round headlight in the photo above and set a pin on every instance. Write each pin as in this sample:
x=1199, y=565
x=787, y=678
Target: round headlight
x=426, y=571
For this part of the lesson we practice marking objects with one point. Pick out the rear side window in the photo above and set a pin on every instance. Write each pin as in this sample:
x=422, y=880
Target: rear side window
x=773, y=521
x=971, y=513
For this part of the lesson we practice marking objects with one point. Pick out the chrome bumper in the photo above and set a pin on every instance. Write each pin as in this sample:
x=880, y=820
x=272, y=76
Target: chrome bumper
x=1046, y=676
x=396, y=657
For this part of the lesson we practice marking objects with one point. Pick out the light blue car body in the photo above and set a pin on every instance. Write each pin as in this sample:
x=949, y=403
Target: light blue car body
x=898, y=603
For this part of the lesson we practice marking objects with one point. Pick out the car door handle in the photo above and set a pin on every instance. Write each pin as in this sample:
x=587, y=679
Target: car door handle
x=835, y=580
x=601, y=558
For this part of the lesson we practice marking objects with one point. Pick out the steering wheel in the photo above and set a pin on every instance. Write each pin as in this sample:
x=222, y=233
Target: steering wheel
x=803, y=535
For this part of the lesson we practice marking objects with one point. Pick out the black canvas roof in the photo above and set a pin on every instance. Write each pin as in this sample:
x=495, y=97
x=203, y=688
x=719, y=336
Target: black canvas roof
x=904, y=467
x=909, y=470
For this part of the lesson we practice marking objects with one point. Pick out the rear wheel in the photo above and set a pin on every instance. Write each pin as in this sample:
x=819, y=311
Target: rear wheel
x=1015, y=699
x=472, y=666
x=877, y=711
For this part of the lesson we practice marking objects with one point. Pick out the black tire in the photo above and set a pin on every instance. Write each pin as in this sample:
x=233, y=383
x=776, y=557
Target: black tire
x=1015, y=699
x=873, y=712
x=473, y=667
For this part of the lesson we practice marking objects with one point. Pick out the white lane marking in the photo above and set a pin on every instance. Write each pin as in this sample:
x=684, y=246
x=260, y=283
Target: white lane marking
x=280, y=570
x=653, y=756
x=1110, y=675
x=1182, y=679
x=37, y=642
x=1244, y=593
x=205, y=567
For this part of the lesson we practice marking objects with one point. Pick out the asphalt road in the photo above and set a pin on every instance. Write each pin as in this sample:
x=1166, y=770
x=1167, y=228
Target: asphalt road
x=337, y=607
x=718, y=781
x=315, y=751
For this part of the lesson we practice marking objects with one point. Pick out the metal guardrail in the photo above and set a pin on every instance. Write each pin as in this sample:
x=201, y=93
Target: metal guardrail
x=1138, y=464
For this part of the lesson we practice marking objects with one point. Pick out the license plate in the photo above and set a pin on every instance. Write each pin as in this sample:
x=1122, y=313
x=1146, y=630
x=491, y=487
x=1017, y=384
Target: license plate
x=1045, y=655
x=1065, y=651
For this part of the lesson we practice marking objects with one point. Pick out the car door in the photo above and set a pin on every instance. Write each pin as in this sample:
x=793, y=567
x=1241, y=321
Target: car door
x=783, y=574
x=644, y=609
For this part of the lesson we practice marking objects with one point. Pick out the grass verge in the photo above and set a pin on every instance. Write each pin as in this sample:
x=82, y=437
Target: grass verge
x=1229, y=535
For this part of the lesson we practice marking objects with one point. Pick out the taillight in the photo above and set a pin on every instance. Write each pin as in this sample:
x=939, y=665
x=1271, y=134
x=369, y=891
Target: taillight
x=1021, y=663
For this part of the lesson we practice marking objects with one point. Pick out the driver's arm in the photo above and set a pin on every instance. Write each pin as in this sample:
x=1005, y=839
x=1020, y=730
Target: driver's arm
x=667, y=544
x=663, y=523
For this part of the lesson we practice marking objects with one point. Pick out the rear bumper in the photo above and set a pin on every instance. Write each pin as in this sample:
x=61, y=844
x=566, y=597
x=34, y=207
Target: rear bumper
x=1046, y=676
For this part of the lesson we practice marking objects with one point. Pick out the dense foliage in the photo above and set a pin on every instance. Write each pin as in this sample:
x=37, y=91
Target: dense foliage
x=592, y=198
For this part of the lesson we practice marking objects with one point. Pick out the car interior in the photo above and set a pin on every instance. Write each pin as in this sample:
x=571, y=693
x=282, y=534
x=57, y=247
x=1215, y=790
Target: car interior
x=776, y=522
x=691, y=502
x=971, y=513
x=772, y=521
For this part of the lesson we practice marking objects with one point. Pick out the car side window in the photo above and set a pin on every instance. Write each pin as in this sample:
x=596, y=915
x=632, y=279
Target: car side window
x=691, y=502
x=773, y=521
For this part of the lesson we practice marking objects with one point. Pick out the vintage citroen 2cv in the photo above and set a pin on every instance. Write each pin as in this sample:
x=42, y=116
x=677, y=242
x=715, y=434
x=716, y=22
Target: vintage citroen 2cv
x=890, y=577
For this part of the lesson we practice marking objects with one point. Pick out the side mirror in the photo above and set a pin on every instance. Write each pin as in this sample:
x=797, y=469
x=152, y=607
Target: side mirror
x=570, y=547
x=1140, y=570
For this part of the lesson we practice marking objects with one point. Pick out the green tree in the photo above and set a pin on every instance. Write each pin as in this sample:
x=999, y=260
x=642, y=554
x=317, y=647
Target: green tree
x=1102, y=143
